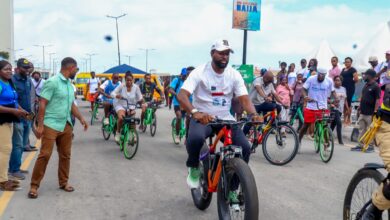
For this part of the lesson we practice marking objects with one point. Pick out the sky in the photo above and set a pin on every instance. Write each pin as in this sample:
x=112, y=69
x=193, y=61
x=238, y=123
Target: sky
x=182, y=31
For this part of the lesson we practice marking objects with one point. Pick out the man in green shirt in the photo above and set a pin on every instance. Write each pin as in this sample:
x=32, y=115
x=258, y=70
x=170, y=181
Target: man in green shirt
x=55, y=125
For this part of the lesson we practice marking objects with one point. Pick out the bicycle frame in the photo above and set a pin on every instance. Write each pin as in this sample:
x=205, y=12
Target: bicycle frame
x=298, y=115
x=273, y=114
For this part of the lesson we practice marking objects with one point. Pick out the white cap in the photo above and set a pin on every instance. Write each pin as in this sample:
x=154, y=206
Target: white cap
x=221, y=45
x=321, y=70
x=372, y=59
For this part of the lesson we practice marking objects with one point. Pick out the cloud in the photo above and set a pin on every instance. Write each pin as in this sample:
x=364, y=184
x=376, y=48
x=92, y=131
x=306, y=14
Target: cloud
x=183, y=31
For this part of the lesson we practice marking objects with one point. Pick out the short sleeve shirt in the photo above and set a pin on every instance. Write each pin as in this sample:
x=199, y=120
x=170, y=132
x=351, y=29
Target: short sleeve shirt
x=148, y=91
x=132, y=97
x=59, y=93
x=93, y=85
x=38, y=85
x=256, y=98
x=318, y=91
x=341, y=95
x=213, y=92
x=370, y=94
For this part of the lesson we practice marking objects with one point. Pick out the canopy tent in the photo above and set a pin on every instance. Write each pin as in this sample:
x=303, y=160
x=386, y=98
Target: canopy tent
x=376, y=46
x=123, y=69
x=323, y=53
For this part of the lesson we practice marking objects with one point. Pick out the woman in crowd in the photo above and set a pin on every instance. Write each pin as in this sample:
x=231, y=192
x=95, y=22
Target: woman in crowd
x=291, y=75
x=284, y=92
x=349, y=78
x=338, y=107
x=9, y=112
x=335, y=71
x=313, y=64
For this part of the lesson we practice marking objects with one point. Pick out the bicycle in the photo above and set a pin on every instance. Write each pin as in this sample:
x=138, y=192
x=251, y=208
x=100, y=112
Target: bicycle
x=219, y=171
x=297, y=116
x=359, y=192
x=109, y=128
x=129, y=139
x=150, y=117
x=278, y=153
x=94, y=112
x=182, y=131
x=323, y=136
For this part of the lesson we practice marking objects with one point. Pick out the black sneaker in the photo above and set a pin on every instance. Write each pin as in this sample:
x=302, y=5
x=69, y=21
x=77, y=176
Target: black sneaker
x=357, y=148
x=370, y=149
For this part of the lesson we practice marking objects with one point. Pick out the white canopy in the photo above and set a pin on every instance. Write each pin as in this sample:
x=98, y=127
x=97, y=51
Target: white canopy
x=323, y=53
x=376, y=46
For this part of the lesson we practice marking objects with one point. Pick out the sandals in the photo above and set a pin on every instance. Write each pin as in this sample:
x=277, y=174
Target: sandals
x=33, y=194
x=67, y=188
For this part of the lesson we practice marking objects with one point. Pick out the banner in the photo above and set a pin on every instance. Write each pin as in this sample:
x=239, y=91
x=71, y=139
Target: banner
x=246, y=14
x=246, y=73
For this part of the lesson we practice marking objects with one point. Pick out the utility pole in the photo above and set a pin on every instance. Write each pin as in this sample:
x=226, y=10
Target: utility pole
x=90, y=60
x=117, y=33
x=129, y=56
x=43, y=54
x=146, y=57
x=50, y=62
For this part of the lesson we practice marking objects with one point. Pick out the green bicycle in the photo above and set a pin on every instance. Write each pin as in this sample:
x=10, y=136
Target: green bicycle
x=129, y=139
x=94, y=113
x=109, y=128
x=150, y=118
x=297, y=116
x=182, y=132
x=323, y=137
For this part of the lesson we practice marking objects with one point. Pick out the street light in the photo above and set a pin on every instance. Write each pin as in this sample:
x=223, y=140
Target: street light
x=146, y=53
x=50, y=61
x=86, y=64
x=43, y=53
x=90, y=60
x=129, y=56
x=117, y=33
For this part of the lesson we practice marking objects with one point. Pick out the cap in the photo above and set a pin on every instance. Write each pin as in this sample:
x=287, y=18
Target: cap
x=370, y=72
x=24, y=63
x=183, y=71
x=372, y=59
x=388, y=52
x=321, y=70
x=221, y=45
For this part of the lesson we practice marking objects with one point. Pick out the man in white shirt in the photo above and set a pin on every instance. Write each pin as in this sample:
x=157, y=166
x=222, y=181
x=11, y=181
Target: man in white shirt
x=92, y=88
x=37, y=82
x=317, y=88
x=212, y=86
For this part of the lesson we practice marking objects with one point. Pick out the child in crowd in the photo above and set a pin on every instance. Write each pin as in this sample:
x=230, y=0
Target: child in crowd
x=284, y=92
x=341, y=93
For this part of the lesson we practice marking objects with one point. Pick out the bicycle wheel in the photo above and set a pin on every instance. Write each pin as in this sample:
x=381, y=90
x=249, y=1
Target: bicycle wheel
x=131, y=145
x=106, y=131
x=123, y=136
x=153, y=126
x=280, y=145
x=239, y=179
x=327, y=145
x=173, y=124
x=359, y=193
x=317, y=137
x=201, y=196
x=94, y=113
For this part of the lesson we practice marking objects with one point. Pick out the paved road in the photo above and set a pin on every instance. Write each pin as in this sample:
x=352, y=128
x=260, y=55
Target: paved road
x=152, y=185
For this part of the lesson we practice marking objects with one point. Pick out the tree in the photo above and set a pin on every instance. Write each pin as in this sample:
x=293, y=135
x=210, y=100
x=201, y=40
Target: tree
x=4, y=55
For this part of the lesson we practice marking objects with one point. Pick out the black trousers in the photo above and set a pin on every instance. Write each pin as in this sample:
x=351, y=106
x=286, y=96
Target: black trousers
x=337, y=123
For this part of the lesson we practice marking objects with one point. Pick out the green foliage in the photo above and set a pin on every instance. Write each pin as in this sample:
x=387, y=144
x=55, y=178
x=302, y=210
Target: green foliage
x=4, y=55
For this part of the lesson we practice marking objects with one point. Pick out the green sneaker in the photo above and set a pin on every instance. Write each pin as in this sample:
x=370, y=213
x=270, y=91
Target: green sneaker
x=193, y=177
x=233, y=197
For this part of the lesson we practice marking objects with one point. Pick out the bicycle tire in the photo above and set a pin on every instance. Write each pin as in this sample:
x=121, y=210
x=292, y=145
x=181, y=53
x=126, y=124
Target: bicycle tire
x=201, y=196
x=131, y=140
x=106, y=131
x=356, y=179
x=238, y=168
x=173, y=124
x=277, y=131
x=153, y=126
x=94, y=113
x=317, y=138
x=124, y=136
x=327, y=157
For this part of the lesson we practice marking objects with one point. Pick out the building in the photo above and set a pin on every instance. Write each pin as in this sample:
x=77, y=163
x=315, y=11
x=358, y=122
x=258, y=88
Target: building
x=7, y=27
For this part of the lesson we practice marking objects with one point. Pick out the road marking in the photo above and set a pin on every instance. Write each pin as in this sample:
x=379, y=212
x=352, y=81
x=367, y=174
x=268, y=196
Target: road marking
x=7, y=196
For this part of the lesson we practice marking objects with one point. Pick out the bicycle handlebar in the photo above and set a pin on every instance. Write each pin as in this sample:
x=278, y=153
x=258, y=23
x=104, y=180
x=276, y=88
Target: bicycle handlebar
x=128, y=104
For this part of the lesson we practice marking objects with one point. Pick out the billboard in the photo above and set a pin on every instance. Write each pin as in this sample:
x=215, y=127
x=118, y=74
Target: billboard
x=246, y=14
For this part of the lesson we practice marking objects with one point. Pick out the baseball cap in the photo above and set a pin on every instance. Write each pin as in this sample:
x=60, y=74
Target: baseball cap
x=370, y=72
x=183, y=71
x=321, y=70
x=372, y=59
x=221, y=45
x=388, y=52
x=24, y=63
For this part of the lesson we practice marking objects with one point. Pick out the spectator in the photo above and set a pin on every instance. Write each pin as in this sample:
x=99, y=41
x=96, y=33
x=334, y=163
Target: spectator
x=369, y=104
x=335, y=71
x=282, y=72
x=10, y=112
x=55, y=125
x=37, y=82
x=284, y=92
x=338, y=107
x=349, y=78
x=292, y=75
x=313, y=63
x=304, y=70
x=92, y=87
x=297, y=97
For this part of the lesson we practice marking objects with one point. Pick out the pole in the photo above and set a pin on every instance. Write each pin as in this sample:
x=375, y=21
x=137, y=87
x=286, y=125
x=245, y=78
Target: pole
x=147, y=51
x=117, y=34
x=146, y=56
x=244, y=47
x=43, y=49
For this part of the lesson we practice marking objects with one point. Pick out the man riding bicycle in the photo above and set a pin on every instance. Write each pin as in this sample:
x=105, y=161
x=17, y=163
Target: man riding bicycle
x=132, y=94
x=174, y=89
x=147, y=89
x=316, y=88
x=212, y=86
x=105, y=89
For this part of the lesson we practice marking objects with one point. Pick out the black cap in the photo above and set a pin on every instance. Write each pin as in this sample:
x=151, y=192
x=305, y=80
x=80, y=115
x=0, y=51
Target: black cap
x=24, y=63
x=370, y=72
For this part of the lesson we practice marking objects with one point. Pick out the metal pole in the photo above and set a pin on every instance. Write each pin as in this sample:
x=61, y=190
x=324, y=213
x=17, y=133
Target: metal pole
x=147, y=51
x=117, y=37
x=244, y=47
x=43, y=49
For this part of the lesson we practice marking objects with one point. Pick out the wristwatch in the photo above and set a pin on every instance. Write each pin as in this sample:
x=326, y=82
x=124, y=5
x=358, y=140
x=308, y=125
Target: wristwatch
x=193, y=111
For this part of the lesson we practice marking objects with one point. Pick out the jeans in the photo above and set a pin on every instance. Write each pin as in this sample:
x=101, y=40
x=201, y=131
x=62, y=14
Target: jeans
x=197, y=135
x=20, y=138
x=263, y=108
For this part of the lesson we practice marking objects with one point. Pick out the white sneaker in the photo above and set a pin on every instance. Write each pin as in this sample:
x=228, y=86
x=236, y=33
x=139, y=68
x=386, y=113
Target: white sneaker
x=106, y=121
x=118, y=138
x=177, y=139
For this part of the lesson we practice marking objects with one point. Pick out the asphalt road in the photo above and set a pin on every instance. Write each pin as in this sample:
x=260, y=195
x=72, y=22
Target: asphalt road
x=152, y=185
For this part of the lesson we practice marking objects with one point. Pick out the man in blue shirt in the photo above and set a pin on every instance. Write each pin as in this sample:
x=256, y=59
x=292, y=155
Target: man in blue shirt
x=174, y=89
x=21, y=130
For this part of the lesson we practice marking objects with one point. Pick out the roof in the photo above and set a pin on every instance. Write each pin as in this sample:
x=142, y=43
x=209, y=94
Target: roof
x=323, y=53
x=123, y=69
